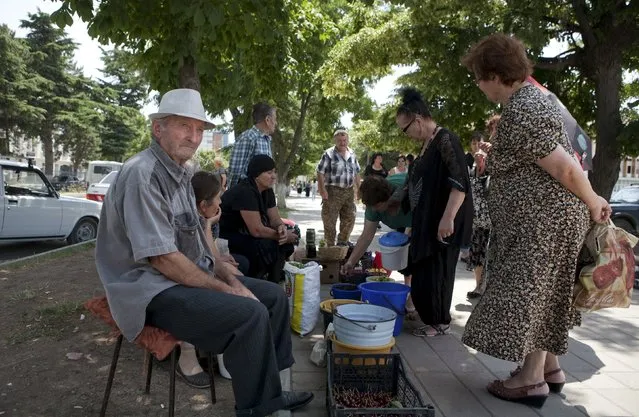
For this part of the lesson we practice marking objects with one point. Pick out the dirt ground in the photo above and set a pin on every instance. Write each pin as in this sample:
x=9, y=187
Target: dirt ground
x=56, y=356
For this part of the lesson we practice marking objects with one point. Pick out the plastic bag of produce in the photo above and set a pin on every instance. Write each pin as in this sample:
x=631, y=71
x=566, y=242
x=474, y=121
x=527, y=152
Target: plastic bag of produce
x=303, y=292
x=609, y=280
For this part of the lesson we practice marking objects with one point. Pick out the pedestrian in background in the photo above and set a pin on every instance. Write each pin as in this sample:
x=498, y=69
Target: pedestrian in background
x=338, y=181
x=251, y=142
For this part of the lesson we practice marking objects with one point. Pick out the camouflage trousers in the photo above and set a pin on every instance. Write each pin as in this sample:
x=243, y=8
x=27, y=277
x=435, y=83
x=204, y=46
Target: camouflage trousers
x=340, y=203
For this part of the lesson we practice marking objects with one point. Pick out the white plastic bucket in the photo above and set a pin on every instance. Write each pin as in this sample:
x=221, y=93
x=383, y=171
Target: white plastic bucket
x=394, y=257
x=364, y=324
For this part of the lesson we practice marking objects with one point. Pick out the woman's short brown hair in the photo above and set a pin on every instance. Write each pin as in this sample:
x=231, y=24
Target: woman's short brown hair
x=498, y=55
x=374, y=190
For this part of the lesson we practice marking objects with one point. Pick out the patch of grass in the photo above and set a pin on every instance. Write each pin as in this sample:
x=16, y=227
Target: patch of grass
x=46, y=257
x=24, y=295
x=54, y=322
x=28, y=293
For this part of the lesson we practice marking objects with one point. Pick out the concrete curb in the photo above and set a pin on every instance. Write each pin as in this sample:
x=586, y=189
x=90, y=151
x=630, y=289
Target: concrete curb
x=47, y=253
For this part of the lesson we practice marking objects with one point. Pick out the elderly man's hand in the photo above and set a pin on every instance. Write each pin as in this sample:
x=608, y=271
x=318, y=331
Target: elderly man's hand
x=226, y=271
x=228, y=259
x=240, y=290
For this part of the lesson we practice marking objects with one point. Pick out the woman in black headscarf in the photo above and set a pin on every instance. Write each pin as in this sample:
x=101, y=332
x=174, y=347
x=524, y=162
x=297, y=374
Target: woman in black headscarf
x=252, y=224
x=441, y=203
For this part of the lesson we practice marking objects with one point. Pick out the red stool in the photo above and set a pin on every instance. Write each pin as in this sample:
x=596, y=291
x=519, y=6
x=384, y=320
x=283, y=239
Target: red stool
x=154, y=341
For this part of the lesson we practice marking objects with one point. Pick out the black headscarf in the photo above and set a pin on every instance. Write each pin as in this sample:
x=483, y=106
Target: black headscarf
x=258, y=165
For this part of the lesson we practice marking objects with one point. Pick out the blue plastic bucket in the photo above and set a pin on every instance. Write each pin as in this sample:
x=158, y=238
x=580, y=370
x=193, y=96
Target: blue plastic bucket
x=390, y=295
x=345, y=292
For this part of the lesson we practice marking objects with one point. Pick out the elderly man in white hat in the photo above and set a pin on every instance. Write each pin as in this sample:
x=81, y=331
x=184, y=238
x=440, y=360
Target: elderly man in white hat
x=157, y=269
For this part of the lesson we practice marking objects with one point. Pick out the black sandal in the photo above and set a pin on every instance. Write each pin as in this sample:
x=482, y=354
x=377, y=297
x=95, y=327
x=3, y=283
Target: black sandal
x=471, y=295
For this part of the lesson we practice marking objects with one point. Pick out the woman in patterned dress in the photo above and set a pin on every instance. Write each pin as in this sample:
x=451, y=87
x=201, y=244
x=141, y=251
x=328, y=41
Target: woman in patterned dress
x=440, y=200
x=540, y=201
x=476, y=259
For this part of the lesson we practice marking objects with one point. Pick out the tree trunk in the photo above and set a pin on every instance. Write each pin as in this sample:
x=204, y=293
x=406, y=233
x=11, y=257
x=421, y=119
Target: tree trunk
x=188, y=75
x=287, y=154
x=47, y=144
x=241, y=119
x=280, y=191
x=4, y=143
x=607, y=157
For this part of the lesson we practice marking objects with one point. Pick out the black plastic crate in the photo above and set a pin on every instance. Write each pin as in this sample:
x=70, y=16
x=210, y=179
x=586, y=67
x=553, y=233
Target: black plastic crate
x=373, y=373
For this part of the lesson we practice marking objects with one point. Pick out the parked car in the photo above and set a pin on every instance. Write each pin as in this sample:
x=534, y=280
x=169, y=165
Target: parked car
x=96, y=192
x=32, y=210
x=100, y=169
x=64, y=182
x=625, y=208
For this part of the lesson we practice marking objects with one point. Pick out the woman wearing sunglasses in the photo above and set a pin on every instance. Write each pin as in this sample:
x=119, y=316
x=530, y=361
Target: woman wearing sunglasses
x=440, y=200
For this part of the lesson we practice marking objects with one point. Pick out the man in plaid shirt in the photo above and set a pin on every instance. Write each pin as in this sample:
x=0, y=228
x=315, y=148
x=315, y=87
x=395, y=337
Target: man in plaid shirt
x=338, y=182
x=255, y=141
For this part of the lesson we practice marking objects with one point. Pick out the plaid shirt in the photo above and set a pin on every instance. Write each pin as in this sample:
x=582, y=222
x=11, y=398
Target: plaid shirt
x=250, y=143
x=337, y=170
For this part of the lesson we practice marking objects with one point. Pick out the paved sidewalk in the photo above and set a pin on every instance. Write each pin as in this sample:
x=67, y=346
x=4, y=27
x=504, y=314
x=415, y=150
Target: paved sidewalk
x=602, y=366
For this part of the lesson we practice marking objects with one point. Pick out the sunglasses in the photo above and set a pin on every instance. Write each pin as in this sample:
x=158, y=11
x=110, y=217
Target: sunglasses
x=408, y=125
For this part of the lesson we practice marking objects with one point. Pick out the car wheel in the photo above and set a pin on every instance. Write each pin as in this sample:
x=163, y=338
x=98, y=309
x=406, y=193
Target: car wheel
x=86, y=229
x=625, y=225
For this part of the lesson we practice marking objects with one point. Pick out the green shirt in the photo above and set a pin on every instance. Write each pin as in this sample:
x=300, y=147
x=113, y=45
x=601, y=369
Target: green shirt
x=396, y=221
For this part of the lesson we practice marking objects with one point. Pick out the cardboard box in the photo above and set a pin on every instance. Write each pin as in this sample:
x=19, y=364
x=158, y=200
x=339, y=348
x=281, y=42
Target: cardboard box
x=330, y=270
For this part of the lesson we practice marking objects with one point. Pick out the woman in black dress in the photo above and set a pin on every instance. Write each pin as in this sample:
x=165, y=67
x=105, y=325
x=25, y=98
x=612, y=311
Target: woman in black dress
x=376, y=167
x=440, y=199
x=252, y=224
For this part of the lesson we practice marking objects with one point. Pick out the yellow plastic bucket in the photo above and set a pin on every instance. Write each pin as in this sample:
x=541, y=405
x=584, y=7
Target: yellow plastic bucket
x=339, y=347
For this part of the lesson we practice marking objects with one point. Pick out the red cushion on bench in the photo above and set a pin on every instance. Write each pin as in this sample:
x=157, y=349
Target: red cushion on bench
x=157, y=341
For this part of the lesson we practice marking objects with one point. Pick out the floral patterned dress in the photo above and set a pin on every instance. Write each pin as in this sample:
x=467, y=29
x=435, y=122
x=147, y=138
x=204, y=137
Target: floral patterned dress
x=538, y=229
x=481, y=222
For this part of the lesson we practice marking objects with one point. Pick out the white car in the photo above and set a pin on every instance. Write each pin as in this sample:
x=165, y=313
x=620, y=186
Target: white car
x=97, y=191
x=32, y=210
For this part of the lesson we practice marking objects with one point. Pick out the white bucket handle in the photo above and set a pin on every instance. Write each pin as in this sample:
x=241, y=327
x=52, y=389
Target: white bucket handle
x=370, y=327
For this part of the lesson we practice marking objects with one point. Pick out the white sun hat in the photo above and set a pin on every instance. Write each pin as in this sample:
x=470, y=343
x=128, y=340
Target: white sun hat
x=183, y=102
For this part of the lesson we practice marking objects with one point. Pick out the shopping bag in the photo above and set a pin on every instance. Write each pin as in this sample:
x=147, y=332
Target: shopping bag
x=607, y=282
x=302, y=283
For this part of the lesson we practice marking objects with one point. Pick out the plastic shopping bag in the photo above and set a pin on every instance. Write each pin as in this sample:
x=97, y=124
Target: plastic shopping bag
x=303, y=292
x=609, y=280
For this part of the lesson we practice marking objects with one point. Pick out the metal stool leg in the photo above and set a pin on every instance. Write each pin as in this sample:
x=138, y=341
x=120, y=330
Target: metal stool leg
x=209, y=357
x=149, y=369
x=114, y=363
x=172, y=383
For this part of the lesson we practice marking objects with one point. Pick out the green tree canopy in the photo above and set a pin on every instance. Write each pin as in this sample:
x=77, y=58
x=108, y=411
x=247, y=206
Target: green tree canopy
x=601, y=39
x=16, y=86
x=51, y=53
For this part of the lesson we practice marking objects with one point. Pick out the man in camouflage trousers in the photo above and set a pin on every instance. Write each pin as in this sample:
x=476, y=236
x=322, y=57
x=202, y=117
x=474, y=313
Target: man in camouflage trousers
x=338, y=181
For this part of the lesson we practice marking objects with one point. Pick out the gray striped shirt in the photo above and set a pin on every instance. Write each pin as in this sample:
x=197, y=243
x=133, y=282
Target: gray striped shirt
x=149, y=211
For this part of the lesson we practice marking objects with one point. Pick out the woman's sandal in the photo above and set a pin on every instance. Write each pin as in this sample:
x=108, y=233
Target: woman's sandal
x=555, y=387
x=430, y=330
x=519, y=394
x=471, y=295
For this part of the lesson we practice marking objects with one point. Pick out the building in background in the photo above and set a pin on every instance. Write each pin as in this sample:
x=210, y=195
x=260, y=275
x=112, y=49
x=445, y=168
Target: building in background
x=62, y=165
x=214, y=141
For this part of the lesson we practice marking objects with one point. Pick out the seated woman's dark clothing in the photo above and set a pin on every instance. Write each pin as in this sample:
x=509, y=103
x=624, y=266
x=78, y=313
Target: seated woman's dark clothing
x=266, y=256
